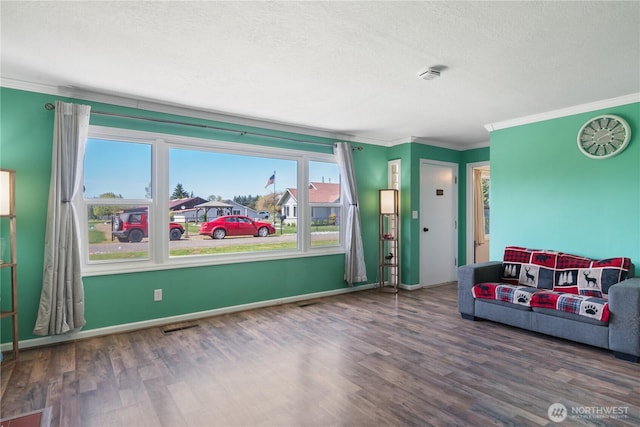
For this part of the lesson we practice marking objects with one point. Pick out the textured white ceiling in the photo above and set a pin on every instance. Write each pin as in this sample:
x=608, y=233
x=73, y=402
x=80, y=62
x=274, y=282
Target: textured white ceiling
x=344, y=67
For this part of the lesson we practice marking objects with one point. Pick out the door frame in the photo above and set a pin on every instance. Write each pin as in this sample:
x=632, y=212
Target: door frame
x=456, y=231
x=470, y=212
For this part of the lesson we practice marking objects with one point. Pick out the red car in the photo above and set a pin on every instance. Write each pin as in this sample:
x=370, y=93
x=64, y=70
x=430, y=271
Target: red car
x=133, y=226
x=235, y=225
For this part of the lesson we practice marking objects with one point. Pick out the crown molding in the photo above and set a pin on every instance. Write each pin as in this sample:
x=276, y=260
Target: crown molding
x=448, y=145
x=29, y=86
x=482, y=144
x=183, y=110
x=365, y=140
x=564, y=112
x=436, y=143
x=179, y=110
x=400, y=141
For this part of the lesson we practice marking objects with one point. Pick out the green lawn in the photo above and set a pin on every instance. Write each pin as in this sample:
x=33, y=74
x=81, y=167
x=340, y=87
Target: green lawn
x=257, y=247
x=98, y=235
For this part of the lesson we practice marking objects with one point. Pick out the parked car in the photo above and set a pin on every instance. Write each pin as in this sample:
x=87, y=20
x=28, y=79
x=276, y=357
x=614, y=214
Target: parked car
x=235, y=225
x=133, y=226
x=263, y=214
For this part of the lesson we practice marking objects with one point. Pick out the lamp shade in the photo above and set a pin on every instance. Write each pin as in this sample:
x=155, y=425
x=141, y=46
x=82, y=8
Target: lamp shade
x=389, y=201
x=6, y=191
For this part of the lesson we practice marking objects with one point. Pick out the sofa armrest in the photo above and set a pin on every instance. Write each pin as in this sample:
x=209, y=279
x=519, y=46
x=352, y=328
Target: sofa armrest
x=469, y=275
x=624, y=322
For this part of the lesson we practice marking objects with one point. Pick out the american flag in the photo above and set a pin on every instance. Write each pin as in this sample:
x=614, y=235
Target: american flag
x=271, y=180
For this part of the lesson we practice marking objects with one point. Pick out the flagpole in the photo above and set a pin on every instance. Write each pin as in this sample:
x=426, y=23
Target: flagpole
x=274, y=198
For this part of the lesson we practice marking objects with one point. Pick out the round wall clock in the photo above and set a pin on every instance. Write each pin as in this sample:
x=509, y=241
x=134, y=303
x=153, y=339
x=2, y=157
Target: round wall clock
x=604, y=136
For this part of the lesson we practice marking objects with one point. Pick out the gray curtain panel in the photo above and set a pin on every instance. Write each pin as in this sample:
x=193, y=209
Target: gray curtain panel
x=355, y=268
x=62, y=298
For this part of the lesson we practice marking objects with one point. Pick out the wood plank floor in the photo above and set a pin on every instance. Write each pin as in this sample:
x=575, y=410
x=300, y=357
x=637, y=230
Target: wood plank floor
x=361, y=359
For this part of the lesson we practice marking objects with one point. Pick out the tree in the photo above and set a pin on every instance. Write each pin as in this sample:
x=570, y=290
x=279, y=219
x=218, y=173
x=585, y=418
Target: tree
x=179, y=192
x=268, y=202
x=102, y=211
x=248, y=201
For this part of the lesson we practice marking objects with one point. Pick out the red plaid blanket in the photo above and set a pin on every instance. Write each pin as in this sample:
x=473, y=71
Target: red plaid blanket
x=502, y=292
x=595, y=308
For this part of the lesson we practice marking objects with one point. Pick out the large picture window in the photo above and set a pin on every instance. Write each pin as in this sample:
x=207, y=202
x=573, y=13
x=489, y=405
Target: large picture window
x=158, y=201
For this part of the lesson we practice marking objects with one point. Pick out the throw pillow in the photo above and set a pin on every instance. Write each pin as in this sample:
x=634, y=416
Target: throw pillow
x=529, y=267
x=583, y=276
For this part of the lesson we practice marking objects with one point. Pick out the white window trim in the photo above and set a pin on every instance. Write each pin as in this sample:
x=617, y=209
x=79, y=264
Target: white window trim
x=159, y=258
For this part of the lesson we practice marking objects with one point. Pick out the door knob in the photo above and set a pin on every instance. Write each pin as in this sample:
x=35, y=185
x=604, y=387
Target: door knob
x=425, y=229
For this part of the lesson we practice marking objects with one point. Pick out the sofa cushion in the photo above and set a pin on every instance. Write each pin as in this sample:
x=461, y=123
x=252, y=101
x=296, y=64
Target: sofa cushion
x=513, y=294
x=579, y=305
x=529, y=267
x=570, y=316
x=583, y=276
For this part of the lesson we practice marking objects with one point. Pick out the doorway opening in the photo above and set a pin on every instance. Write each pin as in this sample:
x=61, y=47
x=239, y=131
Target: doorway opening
x=478, y=212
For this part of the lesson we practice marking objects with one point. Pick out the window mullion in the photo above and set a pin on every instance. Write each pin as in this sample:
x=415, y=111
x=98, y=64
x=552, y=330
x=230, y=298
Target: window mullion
x=304, y=211
x=159, y=241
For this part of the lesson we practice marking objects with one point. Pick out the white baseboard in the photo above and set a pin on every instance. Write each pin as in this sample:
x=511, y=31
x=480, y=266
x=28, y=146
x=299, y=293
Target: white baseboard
x=439, y=284
x=411, y=287
x=76, y=335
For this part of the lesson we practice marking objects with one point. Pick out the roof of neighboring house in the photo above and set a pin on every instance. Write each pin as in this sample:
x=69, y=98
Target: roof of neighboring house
x=319, y=192
x=214, y=204
x=188, y=202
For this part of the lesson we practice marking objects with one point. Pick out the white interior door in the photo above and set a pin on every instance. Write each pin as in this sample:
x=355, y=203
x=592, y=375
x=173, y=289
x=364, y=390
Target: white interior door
x=438, y=222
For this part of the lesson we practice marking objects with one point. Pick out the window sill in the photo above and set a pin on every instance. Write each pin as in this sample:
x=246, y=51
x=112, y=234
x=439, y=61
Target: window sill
x=200, y=261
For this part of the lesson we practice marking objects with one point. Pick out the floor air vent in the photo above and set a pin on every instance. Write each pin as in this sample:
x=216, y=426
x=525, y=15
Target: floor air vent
x=307, y=304
x=178, y=328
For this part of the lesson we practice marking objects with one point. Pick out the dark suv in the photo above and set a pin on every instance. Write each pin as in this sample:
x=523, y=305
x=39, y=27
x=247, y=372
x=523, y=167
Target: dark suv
x=133, y=226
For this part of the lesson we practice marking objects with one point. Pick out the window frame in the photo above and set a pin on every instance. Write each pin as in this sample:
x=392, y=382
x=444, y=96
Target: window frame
x=158, y=251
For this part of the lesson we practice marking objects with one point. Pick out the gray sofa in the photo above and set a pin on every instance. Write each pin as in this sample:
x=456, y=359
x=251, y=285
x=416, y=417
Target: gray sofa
x=619, y=333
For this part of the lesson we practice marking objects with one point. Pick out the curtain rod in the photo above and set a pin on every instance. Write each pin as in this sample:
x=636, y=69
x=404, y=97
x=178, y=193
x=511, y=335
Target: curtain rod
x=50, y=106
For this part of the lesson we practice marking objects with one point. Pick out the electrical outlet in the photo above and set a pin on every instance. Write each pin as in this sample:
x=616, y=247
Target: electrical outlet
x=157, y=295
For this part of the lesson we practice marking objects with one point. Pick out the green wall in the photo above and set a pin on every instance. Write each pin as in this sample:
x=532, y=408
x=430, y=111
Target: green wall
x=411, y=156
x=546, y=194
x=26, y=136
x=110, y=300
